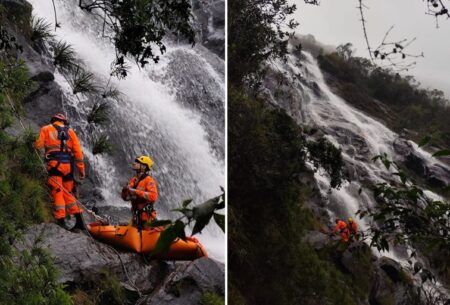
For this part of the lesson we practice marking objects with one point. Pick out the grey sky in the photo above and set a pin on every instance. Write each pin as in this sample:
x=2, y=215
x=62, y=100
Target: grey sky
x=338, y=21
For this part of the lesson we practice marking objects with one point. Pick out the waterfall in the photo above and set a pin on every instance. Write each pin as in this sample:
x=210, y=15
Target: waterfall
x=172, y=111
x=311, y=102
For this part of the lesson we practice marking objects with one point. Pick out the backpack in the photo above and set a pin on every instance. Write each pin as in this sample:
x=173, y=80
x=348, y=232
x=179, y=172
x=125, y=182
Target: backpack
x=63, y=136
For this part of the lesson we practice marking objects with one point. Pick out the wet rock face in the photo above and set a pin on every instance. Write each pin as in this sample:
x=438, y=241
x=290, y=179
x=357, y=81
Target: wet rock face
x=434, y=174
x=81, y=259
x=392, y=284
x=210, y=15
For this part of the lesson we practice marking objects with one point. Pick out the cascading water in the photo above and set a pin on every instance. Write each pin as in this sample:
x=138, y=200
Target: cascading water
x=311, y=102
x=159, y=113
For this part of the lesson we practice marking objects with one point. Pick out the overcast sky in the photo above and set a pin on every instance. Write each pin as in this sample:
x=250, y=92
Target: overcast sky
x=335, y=22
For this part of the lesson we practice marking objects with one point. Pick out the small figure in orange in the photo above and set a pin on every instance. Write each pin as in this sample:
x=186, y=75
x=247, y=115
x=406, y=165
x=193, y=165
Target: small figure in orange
x=342, y=228
x=352, y=229
x=142, y=192
x=62, y=150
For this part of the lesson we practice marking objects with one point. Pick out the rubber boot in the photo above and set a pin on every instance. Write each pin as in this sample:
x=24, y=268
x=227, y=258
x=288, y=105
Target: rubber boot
x=62, y=223
x=79, y=224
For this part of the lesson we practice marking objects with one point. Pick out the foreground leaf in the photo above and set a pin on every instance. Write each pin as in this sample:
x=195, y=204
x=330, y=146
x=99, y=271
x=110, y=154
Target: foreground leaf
x=168, y=236
x=220, y=220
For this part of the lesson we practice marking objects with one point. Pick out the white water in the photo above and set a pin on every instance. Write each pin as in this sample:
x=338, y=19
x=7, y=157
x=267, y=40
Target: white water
x=359, y=136
x=148, y=120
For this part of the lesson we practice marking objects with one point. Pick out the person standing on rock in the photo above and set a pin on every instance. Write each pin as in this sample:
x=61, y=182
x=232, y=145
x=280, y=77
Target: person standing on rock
x=141, y=191
x=62, y=151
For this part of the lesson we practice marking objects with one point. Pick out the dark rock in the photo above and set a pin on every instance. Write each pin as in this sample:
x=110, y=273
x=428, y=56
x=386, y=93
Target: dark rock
x=392, y=268
x=79, y=257
x=435, y=175
x=438, y=175
x=402, y=147
x=188, y=283
x=416, y=164
x=18, y=12
x=391, y=285
x=45, y=101
x=44, y=76
x=210, y=16
x=318, y=240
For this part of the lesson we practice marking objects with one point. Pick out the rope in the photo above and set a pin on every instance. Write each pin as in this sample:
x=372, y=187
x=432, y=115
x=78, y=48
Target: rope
x=79, y=204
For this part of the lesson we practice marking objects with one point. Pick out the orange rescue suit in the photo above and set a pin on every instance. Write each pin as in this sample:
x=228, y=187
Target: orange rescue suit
x=60, y=167
x=143, y=199
x=341, y=227
x=353, y=230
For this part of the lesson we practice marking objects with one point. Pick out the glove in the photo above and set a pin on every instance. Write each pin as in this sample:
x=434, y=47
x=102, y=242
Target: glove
x=132, y=191
x=125, y=193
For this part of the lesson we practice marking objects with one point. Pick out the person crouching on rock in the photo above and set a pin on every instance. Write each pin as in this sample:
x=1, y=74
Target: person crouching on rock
x=352, y=230
x=62, y=150
x=142, y=192
x=342, y=228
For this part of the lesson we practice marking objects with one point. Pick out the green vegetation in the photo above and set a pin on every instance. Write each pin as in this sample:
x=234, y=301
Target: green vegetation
x=140, y=26
x=101, y=145
x=105, y=289
x=99, y=113
x=63, y=55
x=40, y=30
x=211, y=298
x=256, y=31
x=200, y=214
x=405, y=215
x=269, y=261
x=403, y=103
x=82, y=81
x=26, y=277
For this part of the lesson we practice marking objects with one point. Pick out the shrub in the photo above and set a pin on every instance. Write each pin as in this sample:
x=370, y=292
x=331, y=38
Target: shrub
x=63, y=55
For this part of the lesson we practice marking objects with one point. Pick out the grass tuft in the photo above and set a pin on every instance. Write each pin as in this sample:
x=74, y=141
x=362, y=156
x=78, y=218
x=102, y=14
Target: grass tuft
x=82, y=81
x=41, y=30
x=64, y=55
x=102, y=145
x=99, y=113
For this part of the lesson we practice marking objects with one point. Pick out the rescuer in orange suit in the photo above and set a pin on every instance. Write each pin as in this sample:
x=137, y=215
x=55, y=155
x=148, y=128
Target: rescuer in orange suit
x=352, y=229
x=62, y=150
x=141, y=191
x=342, y=228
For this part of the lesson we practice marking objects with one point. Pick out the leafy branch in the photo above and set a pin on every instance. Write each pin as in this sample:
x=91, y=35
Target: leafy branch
x=404, y=214
x=139, y=26
x=200, y=215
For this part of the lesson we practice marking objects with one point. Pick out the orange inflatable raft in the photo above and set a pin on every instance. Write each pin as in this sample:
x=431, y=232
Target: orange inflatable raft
x=129, y=238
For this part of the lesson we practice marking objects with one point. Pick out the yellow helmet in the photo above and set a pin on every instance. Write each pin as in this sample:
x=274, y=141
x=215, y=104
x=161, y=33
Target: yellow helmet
x=146, y=160
x=350, y=219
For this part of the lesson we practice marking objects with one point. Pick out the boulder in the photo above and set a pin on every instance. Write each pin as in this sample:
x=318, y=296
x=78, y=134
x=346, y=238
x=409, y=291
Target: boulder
x=81, y=259
x=318, y=240
x=43, y=77
x=392, y=284
x=188, y=282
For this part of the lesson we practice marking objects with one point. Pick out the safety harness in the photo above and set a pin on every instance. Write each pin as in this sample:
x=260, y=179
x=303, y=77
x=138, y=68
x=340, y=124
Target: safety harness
x=135, y=202
x=61, y=156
